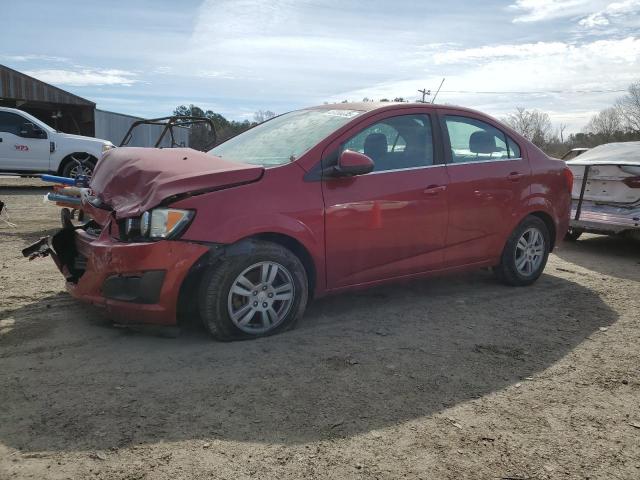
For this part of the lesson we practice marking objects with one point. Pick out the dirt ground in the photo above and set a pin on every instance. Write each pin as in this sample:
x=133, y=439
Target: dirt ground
x=448, y=378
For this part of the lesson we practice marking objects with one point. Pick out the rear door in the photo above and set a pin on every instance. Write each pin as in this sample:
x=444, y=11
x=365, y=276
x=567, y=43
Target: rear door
x=392, y=221
x=18, y=151
x=489, y=180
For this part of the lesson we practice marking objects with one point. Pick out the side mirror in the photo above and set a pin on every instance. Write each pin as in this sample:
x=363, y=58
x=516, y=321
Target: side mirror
x=26, y=129
x=352, y=163
x=29, y=130
x=39, y=133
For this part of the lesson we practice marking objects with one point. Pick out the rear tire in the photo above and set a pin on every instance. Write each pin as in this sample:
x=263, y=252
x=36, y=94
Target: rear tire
x=573, y=234
x=261, y=291
x=525, y=253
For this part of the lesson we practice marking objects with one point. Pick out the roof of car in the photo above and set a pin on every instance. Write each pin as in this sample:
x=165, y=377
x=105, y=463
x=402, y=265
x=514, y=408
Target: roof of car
x=371, y=106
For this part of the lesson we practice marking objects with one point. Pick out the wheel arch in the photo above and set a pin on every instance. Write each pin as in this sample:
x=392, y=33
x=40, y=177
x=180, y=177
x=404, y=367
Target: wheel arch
x=549, y=223
x=67, y=158
x=191, y=281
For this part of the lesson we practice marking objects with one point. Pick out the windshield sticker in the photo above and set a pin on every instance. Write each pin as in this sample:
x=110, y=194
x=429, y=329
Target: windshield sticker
x=343, y=113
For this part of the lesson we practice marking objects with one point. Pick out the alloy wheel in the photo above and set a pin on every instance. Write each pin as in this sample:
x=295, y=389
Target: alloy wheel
x=260, y=297
x=530, y=251
x=81, y=166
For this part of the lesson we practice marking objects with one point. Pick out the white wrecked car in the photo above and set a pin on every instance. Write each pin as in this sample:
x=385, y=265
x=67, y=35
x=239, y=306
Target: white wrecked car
x=606, y=190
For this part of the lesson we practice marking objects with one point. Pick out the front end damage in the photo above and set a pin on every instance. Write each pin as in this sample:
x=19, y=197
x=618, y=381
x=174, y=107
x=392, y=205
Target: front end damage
x=137, y=283
x=130, y=259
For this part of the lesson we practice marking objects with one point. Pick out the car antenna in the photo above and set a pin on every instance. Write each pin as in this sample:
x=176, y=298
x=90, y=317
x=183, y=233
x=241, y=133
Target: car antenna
x=433, y=100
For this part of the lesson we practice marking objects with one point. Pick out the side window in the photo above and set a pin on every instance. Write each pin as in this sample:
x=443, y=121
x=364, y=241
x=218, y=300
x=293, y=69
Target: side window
x=11, y=123
x=405, y=141
x=475, y=141
x=514, y=149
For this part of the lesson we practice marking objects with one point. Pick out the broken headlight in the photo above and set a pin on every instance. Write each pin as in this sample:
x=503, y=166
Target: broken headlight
x=157, y=224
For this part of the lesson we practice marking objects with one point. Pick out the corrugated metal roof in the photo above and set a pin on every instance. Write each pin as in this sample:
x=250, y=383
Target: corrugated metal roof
x=16, y=85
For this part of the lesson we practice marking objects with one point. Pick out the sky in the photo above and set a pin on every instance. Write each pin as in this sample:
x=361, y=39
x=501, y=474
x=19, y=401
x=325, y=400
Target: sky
x=569, y=58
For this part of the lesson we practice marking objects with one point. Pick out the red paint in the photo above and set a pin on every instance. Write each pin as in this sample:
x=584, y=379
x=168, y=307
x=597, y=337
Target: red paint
x=106, y=257
x=360, y=230
x=133, y=180
x=22, y=148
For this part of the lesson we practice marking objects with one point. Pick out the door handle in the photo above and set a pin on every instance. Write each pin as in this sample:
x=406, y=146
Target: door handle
x=515, y=176
x=435, y=189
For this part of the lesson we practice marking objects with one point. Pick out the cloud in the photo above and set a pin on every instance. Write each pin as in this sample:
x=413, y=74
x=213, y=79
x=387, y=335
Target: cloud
x=571, y=80
x=33, y=57
x=590, y=14
x=499, y=51
x=84, y=77
x=540, y=10
x=610, y=12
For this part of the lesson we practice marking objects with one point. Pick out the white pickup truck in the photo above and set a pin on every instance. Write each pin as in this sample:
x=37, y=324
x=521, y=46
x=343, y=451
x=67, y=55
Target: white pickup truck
x=29, y=146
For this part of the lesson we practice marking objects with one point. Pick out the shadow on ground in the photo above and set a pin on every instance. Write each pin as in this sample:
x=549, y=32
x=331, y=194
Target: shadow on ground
x=357, y=362
x=615, y=256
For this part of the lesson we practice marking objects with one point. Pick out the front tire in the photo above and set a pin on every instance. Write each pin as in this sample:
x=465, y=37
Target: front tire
x=525, y=253
x=79, y=164
x=259, y=292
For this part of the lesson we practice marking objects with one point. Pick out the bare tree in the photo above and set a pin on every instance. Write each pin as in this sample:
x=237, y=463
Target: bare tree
x=263, y=115
x=561, y=128
x=532, y=124
x=629, y=107
x=606, y=123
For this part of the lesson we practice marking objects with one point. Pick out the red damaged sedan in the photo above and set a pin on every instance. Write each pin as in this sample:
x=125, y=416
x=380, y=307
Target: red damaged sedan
x=312, y=202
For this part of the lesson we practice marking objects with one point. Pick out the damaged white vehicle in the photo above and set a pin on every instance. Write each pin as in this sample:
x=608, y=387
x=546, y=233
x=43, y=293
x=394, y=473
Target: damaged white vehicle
x=606, y=191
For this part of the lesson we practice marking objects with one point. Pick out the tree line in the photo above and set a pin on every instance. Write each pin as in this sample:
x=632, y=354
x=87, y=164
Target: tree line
x=618, y=123
x=199, y=134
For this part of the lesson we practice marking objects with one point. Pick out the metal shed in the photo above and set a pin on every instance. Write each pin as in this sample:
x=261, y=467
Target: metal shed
x=70, y=113
x=62, y=110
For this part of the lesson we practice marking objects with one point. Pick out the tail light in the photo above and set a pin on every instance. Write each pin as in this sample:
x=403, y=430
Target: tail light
x=568, y=178
x=632, y=182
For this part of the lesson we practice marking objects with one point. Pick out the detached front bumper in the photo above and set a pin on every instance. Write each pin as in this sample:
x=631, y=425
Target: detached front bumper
x=137, y=283
x=601, y=218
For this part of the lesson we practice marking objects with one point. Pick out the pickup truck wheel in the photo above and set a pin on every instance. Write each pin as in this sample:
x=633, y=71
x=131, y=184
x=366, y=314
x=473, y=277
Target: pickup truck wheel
x=79, y=164
x=525, y=253
x=260, y=292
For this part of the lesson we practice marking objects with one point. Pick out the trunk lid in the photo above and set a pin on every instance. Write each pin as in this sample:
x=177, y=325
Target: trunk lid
x=132, y=180
x=605, y=183
x=610, y=165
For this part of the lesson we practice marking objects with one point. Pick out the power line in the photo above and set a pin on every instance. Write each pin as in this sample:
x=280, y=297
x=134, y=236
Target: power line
x=538, y=92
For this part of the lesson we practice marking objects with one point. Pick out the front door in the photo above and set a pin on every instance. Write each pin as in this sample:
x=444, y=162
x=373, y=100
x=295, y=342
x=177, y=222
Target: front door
x=19, y=150
x=392, y=221
x=489, y=180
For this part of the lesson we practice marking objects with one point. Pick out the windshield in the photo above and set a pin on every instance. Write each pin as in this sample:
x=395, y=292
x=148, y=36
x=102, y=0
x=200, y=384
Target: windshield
x=284, y=138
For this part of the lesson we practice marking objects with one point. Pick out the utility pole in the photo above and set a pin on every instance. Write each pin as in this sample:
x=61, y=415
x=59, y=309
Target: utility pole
x=433, y=100
x=424, y=93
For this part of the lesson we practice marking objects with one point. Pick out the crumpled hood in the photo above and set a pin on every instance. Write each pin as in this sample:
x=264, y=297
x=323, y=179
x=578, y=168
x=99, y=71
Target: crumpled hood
x=132, y=180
